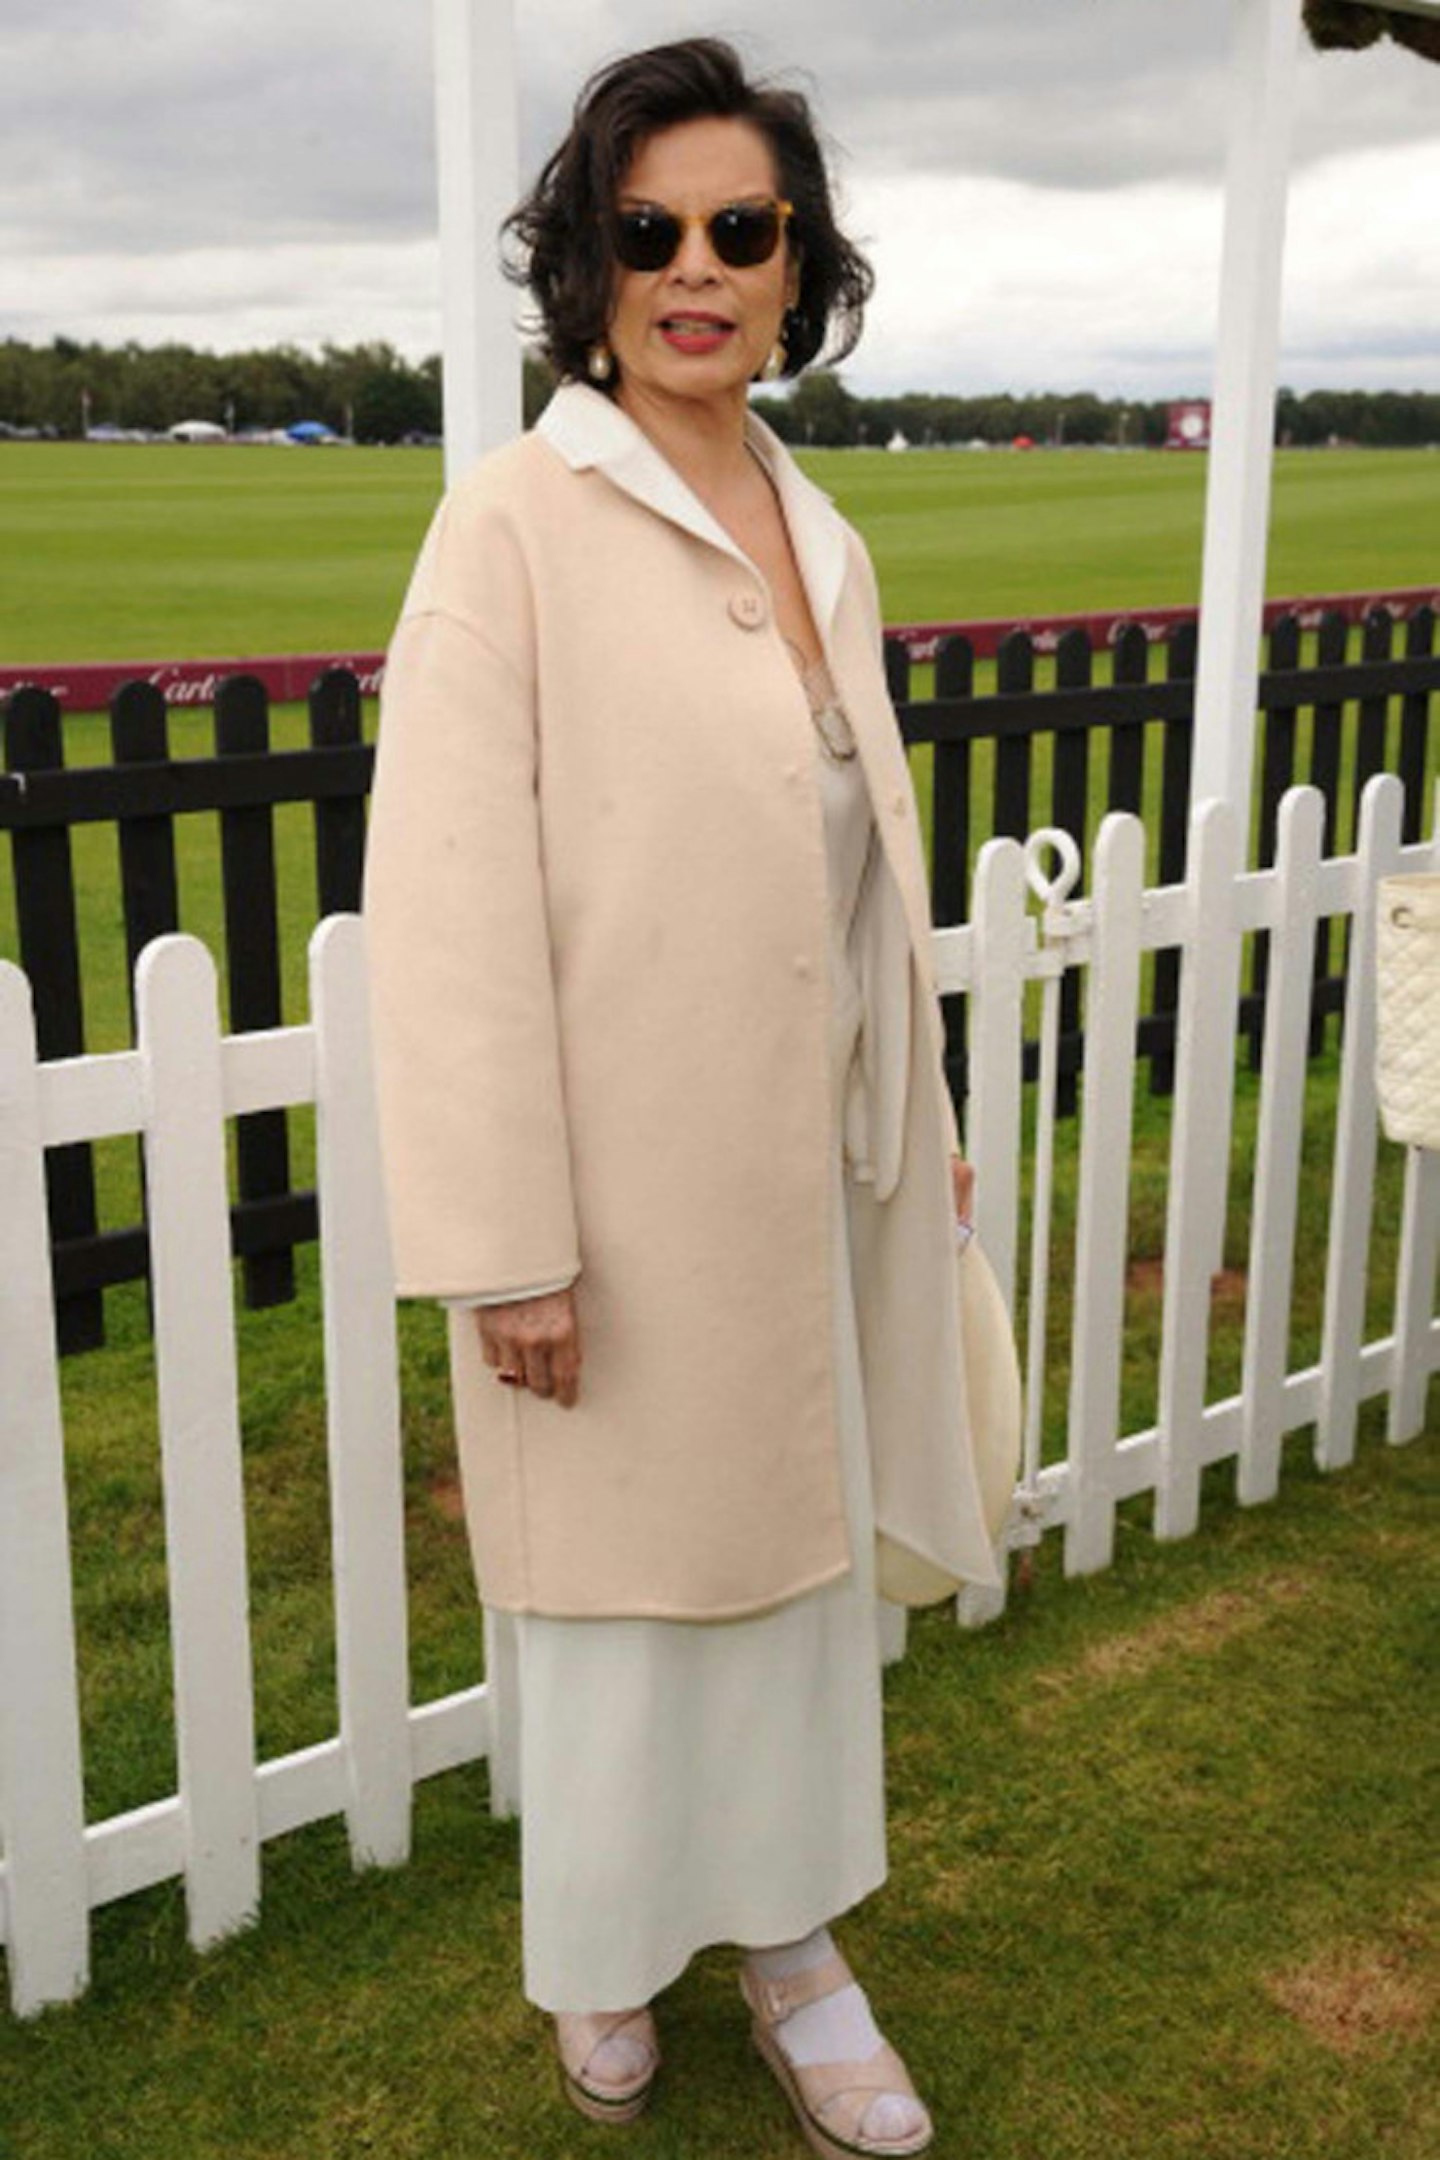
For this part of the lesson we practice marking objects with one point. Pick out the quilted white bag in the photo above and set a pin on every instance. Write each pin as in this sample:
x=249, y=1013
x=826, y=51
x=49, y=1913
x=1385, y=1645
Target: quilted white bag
x=1407, y=954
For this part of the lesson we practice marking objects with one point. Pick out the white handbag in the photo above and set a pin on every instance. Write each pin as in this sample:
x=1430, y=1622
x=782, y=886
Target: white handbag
x=1407, y=1035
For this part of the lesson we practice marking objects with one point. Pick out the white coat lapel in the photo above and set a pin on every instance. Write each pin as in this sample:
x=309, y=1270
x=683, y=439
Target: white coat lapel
x=817, y=531
x=590, y=431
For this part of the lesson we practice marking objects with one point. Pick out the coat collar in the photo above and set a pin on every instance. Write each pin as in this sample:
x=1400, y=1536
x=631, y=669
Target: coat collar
x=588, y=430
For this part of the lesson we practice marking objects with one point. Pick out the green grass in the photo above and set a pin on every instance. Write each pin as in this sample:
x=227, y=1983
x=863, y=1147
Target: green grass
x=126, y=552
x=1161, y=1847
x=1159, y=1839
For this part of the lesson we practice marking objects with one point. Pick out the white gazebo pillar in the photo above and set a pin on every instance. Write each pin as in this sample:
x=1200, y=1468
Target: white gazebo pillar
x=478, y=152
x=1266, y=38
x=477, y=148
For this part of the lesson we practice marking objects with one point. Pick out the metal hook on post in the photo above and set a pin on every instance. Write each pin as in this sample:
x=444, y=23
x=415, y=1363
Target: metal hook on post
x=1060, y=923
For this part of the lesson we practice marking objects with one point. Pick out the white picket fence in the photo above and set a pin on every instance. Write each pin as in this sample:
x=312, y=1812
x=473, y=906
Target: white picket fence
x=184, y=1080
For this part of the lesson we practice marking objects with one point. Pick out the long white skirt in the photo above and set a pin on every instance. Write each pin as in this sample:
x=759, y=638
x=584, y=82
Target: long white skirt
x=690, y=1782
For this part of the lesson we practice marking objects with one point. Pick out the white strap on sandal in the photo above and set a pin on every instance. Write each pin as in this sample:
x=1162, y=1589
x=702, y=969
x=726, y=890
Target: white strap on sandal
x=831, y=2100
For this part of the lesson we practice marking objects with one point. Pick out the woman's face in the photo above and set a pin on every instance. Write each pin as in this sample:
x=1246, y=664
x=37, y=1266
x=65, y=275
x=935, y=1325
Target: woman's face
x=698, y=329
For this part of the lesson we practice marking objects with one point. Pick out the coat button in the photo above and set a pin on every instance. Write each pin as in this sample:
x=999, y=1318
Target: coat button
x=804, y=968
x=747, y=609
x=898, y=805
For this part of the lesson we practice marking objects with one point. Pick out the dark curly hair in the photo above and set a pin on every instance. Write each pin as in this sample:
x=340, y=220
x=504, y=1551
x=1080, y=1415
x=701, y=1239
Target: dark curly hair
x=557, y=242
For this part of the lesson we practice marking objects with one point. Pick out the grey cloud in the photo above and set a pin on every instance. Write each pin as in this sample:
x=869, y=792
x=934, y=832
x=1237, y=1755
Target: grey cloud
x=136, y=130
x=151, y=125
x=149, y=128
x=1057, y=93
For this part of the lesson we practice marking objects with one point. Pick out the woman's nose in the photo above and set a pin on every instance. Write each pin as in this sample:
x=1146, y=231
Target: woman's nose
x=695, y=258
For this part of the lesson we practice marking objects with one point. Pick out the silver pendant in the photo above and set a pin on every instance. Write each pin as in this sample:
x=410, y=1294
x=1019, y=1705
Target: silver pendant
x=837, y=737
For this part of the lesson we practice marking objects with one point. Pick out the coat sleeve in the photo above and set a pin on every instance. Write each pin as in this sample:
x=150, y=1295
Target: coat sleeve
x=467, y=1049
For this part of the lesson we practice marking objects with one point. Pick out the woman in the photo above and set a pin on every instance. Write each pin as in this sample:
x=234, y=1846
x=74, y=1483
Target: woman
x=662, y=1104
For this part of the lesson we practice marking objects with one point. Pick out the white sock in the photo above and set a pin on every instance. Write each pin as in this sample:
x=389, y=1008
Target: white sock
x=838, y=2028
x=618, y=2057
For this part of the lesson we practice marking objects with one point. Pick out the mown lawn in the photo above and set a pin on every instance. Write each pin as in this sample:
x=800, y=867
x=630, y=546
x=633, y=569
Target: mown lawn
x=119, y=552
x=1162, y=1840
x=1162, y=1881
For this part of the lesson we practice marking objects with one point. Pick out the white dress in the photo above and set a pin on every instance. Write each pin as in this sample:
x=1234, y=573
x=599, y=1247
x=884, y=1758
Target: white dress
x=685, y=1783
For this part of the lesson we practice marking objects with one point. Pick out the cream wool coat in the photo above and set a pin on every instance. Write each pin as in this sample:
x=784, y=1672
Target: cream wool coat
x=597, y=927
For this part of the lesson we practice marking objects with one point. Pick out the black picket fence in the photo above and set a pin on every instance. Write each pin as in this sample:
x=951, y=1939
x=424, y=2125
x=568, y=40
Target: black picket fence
x=142, y=793
x=1125, y=744
x=1060, y=752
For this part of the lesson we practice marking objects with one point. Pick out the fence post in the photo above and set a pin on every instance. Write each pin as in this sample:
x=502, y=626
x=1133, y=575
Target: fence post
x=1414, y=1294
x=1174, y=831
x=995, y=1011
x=362, y=1395
x=335, y=723
x=1420, y=1218
x=149, y=887
x=1102, y=1225
x=995, y=1021
x=199, y=1433
x=1415, y=726
x=50, y=956
x=1356, y=1130
x=1199, y=1157
x=1327, y=719
x=41, y=1808
x=950, y=842
x=1271, y=1268
x=252, y=955
x=1370, y=727
x=1277, y=774
x=502, y=1710
x=1070, y=810
x=1131, y=665
x=1014, y=670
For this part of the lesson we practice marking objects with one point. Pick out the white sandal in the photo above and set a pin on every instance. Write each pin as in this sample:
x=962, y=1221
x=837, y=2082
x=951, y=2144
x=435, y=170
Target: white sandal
x=601, y=2098
x=830, y=2099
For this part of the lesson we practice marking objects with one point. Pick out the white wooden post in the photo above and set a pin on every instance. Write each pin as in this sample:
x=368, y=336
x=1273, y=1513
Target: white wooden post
x=477, y=144
x=994, y=1015
x=41, y=1819
x=1415, y=1270
x=199, y=1433
x=362, y=1391
x=502, y=1711
x=1102, y=1224
x=1414, y=1295
x=1199, y=1156
x=1237, y=503
x=1271, y=1275
x=1352, y=1191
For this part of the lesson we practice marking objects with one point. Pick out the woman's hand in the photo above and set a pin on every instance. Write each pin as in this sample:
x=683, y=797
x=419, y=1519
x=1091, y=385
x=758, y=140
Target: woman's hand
x=534, y=1342
x=962, y=1175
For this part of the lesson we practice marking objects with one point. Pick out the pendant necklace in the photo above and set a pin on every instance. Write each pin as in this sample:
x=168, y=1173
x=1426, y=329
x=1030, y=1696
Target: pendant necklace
x=832, y=725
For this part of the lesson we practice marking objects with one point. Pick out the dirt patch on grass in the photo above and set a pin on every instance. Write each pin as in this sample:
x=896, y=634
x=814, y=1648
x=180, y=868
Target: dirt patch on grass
x=449, y=1500
x=1145, y=1278
x=1205, y=1625
x=1358, y=1995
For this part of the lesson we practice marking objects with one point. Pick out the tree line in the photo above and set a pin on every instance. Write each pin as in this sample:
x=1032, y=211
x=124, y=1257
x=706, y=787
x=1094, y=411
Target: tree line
x=820, y=410
x=371, y=392
x=368, y=391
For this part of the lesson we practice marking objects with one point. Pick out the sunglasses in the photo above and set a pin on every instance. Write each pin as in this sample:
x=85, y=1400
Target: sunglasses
x=742, y=234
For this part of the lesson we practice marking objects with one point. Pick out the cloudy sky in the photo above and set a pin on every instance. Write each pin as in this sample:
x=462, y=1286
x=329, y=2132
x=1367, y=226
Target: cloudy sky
x=1038, y=181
